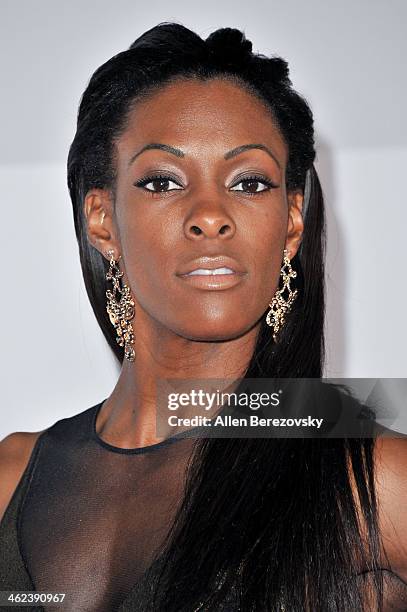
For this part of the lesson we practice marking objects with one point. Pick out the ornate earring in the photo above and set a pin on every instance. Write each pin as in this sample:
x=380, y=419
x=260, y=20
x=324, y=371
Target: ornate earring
x=279, y=305
x=122, y=311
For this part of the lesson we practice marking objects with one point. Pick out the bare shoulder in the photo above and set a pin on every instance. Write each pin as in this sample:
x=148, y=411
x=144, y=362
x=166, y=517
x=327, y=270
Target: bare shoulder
x=15, y=452
x=391, y=490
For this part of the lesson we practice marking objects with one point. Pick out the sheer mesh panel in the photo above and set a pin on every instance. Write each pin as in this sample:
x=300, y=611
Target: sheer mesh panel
x=95, y=515
x=89, y=520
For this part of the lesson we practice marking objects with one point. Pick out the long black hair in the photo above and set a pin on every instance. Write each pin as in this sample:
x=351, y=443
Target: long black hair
x=274, y=521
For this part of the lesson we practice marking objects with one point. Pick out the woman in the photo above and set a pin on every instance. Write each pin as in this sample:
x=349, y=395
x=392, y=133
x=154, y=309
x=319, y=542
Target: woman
x=191, y=156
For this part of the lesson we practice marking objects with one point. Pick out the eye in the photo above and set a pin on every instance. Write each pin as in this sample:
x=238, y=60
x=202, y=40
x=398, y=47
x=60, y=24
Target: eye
x=158, y=183
x=254, y=184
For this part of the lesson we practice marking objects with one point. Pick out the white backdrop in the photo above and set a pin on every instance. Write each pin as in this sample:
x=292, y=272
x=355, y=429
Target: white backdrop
x=347, y=58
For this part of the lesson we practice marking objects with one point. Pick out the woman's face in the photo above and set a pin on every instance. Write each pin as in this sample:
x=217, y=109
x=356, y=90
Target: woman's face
x=191, y=195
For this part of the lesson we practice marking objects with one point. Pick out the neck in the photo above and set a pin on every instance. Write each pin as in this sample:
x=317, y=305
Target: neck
x=128, y=418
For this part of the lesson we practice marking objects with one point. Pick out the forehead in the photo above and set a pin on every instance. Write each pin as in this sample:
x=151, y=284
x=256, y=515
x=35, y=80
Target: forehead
x=202, y=115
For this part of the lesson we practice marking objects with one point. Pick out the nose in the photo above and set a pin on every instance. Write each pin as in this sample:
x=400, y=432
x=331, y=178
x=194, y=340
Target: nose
x=209, y=220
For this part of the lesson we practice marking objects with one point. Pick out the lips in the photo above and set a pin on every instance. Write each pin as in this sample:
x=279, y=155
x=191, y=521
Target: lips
x=205, y=264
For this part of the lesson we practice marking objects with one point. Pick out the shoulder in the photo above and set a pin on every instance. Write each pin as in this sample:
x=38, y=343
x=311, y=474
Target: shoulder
x=15, y=452
x=391, y=491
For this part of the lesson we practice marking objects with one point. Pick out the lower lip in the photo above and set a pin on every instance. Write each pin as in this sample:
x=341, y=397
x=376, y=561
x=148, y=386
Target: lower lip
x=214, y=282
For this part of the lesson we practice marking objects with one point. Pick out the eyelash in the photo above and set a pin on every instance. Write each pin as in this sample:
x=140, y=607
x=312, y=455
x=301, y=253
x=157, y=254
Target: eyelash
x=255, y=177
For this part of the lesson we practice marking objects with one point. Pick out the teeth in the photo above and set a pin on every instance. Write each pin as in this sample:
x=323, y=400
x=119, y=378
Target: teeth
x=211, y=272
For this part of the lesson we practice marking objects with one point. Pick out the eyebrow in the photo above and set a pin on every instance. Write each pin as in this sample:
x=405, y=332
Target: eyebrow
x=228, y=155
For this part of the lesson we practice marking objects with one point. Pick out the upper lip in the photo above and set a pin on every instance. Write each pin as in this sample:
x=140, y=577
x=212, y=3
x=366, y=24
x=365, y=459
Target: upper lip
x=209, y=262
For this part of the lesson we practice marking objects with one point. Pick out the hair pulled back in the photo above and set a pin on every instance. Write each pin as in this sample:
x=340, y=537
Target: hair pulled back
x=274, y=517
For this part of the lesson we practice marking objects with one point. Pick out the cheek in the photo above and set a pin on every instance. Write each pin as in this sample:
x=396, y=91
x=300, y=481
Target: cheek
x=265, y=237
x=147, y=247
x=143, y=230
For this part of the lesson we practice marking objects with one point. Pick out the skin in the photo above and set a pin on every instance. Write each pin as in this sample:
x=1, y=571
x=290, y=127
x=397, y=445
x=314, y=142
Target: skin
x=180, y=330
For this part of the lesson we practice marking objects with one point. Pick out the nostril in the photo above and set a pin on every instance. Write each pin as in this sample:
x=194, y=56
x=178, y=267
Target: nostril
x=197, y=230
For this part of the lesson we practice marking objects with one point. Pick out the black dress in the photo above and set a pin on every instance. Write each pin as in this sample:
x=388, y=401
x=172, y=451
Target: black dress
x=88, y=518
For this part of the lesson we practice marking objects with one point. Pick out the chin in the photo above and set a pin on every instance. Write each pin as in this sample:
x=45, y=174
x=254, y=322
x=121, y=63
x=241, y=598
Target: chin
x=213, y=331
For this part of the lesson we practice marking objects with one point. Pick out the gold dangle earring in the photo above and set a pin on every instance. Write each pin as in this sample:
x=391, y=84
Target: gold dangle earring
x=122, y=311
x=279, y=305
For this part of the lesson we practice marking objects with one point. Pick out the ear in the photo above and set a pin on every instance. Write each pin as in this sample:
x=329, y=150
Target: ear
x=295, y=225
x=101, y=229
